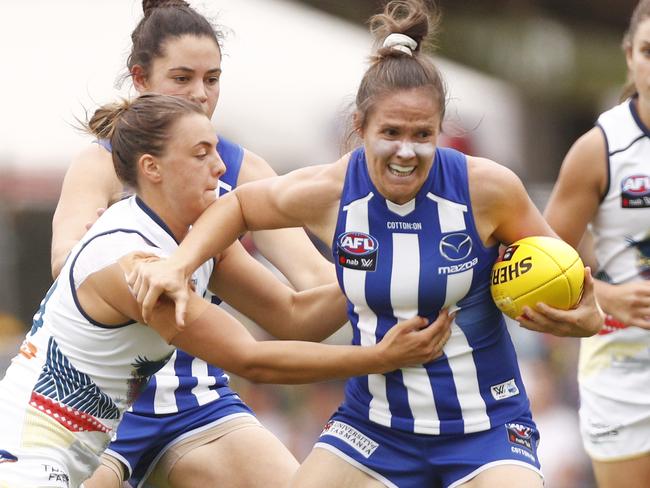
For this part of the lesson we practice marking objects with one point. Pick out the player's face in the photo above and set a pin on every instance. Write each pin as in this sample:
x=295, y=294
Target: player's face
x=191, y=167
x=400, y=141
x=190, y=67
x=638, y=59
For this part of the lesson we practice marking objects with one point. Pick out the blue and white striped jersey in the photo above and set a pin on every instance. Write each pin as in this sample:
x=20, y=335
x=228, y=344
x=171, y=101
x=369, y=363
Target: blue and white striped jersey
x=396, y=261
x=186, y=381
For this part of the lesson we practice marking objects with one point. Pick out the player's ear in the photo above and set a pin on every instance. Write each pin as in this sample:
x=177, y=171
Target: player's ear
x=139, y=77
x=357, y=123
x=149, y=167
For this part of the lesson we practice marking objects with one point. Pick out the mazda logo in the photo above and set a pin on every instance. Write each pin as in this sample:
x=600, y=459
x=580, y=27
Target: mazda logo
x=456, y=247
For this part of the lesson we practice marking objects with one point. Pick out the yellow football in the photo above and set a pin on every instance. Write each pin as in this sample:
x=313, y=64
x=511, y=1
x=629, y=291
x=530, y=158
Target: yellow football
x=537, y=269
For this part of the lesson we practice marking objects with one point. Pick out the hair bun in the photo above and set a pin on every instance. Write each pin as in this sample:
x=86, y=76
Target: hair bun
x=149, y=5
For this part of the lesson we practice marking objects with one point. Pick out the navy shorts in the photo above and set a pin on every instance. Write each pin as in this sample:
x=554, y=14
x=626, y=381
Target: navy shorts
x=143, y=439
x=405, y=460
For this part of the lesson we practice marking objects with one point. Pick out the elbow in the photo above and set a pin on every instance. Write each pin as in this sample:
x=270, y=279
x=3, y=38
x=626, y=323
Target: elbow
x=259, y=375
x=256, y=373
x=244, y=223
x=250, y=366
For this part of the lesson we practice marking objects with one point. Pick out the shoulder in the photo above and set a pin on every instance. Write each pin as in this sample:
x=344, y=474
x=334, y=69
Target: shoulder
x=104, y=249
x=304, y=191
x=493, y=187
x=586, y=161
x=324, y=180
x=94, y=163
x=94, y=154
x=592, y=143
x=90, y=181
x=490, y=179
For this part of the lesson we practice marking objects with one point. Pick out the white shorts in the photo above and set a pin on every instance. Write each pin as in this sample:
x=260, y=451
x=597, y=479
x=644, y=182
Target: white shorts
x=32, y=471
x=614, y=379
x=613, y=430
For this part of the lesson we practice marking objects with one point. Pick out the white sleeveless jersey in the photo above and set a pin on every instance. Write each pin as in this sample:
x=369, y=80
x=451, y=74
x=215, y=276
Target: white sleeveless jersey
x=187, y=382
x=65, y=392
x=616, y=363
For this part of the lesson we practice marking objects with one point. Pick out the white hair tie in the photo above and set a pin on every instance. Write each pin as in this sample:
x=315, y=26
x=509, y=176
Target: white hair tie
x=401, y=42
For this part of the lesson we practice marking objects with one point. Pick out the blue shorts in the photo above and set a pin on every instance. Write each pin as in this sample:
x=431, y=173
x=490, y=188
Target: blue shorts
x=405, y=460
x=143, y=439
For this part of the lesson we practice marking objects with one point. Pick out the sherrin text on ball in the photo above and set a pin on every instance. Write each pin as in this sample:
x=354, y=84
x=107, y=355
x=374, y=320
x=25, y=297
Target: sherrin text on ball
x=537, y=269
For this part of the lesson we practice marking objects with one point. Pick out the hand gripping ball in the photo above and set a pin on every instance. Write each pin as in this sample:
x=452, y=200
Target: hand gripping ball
x=537, y=269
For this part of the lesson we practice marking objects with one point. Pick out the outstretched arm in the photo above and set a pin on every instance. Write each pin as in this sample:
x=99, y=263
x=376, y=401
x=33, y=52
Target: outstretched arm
x=248, y=286
x=306, y=197
x=218, y=338
x=89, y=184
x=289, y=250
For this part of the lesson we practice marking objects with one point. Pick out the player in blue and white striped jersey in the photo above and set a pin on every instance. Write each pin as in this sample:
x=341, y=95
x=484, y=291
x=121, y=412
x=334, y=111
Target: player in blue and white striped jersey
x=415, y=229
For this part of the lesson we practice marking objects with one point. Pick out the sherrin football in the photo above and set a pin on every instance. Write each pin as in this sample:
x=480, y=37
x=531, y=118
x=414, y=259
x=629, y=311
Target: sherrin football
x=537, y=269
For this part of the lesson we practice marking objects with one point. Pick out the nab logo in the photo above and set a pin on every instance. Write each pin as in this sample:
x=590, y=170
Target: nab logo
x=455, y=247
x=521, y=435
x=357, y=250
x=7, y=457
x=636, y=185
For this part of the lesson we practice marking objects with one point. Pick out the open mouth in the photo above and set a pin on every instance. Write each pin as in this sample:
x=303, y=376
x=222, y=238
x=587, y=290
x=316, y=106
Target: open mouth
x=398, y=170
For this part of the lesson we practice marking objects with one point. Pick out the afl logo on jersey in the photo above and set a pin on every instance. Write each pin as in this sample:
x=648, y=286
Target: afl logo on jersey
x=455, y=247
x=635, y=191
x=357, y=250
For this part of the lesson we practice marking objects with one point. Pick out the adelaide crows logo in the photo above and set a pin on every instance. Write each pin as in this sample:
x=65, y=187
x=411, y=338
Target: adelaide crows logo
x=456, y=246
x=7, y=457
x=642, y=247
x=357, y=250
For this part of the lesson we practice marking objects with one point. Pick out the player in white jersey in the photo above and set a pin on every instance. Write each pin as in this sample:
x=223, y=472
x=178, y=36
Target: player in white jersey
x=605, y=183
x=414, y=229
x=89, y=353
x=187, y=406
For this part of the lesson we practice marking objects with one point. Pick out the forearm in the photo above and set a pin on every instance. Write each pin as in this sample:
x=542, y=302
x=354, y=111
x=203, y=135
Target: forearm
x=217, y=228
x=290, y=362
x=317, y=314
x=218, y=338
x=602, y=291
